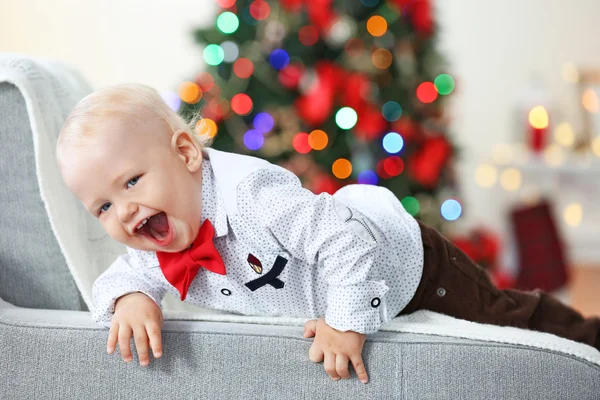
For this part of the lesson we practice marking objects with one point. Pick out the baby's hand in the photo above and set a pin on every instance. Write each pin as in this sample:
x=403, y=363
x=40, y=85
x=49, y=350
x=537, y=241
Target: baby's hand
x=138, y=314
x=337, y=348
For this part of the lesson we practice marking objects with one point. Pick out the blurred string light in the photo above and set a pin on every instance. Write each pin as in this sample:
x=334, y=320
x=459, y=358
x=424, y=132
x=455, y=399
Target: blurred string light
x=300, y=143
x=589, y=98
x=226, y=3
x=346, y=118
x=308, y=35
x=341, y=168
x=510, y=179
x=260, y=10
x=368, y=177
x=213, y=54
x=486, y=175
x=354, y=47
x=263, y=122
x=279, y=58
x=318, y=139
x=444, y=84
x=451, y=210
x=391, y=111
x=392, y=166
x=241, y=104
x=573, y=214
x=172, y=99
x=254, y=139
x=206, y=126
x=564, y=135
x=205, y=81
x=411, y=205
x=243, y=68
x=228, y=22
x=377, y=25
x=189, y=92
x=554, y=155
x=596, y=146
x=426, y=92
x=570, y=73
x=538, y=117
x=392, y=142
x=382, y=58
x=502, y=154
x=230, y=51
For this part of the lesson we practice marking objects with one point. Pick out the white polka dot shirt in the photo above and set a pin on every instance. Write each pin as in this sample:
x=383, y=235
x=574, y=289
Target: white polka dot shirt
x=354, y=258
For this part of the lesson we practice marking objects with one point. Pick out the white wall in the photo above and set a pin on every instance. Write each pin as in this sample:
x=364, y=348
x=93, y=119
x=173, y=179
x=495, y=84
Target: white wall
x=494, y=47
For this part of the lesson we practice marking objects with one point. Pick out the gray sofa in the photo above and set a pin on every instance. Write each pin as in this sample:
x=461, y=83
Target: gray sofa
x=50, y=349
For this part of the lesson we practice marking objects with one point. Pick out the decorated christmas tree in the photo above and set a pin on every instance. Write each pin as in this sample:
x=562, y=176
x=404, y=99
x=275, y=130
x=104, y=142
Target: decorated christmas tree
x=339, y=92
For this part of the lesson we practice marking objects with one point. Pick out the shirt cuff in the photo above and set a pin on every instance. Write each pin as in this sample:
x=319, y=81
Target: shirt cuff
x=360, y=308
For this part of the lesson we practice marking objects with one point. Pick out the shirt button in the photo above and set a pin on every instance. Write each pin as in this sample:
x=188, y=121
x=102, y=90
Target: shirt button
x=375, y=302
x=441, y=292
x=226, y=292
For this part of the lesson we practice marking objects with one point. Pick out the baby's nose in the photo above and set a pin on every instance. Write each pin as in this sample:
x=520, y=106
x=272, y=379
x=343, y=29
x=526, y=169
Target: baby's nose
x=126, y=211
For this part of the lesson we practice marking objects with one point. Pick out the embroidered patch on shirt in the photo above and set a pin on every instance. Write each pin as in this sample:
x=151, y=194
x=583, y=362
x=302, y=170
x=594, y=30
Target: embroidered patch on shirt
x=255, y=264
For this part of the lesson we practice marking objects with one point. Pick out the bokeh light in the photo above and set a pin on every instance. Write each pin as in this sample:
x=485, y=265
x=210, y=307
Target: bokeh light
x=206, y=126
x=228, y=22
x=538, y=117
x=444, y=84
x=554, y=155
x=308, y=35
x=263, y=122
x=346, y=118
x=451, y=210
x=596, y=146
x=502, y=154
x=393, y=142
x=279, y=58
x=230, y=51
x=391, y=111
x=564, y=135
x=426, y=92
x=393, y=166
x=205, y=81
x=243, y=68
x=318, y=139
x=486, y=175
x=253, y=139
x=300, y=143
x=411, y=205
x=377, y=25
x=510, y=179
x=573, y=214
x=213, y=54
x=241, y=104
x=354, y=47
x=382, y=58
x=367, y=177
x=190, y=92
x=260, y=9
x=589, y=98
x=226, y=3
x=172, y=99
x=341, y=168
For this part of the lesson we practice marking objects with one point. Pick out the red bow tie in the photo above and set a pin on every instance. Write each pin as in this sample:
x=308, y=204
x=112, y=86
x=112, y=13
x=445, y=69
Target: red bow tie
x=181, y=268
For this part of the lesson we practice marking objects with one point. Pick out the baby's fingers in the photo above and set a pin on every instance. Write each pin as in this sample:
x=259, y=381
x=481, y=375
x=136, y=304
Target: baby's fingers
x=359, y=368
x=155, y=339
x=112, y=338
x=124, y=337
x=141, y=345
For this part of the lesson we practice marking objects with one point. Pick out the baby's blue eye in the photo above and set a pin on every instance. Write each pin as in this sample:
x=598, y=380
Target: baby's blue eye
x=105, y=207
x=132, y=182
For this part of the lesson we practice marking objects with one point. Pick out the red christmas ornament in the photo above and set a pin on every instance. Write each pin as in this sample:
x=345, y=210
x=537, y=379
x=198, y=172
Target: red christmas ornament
x=407, y=129
x=324, y=183
x=290, y=75
x=425, y=165
x=316, y=105
x=370, y=124
x=420, y=17
x=354, y=89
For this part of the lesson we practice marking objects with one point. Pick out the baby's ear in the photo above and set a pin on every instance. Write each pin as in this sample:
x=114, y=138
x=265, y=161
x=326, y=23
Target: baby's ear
x=187, y=150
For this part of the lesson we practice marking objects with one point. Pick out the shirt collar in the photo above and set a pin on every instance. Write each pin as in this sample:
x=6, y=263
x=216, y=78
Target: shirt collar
x=213, y=207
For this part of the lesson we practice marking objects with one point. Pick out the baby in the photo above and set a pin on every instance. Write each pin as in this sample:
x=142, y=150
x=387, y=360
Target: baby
x=239, y=234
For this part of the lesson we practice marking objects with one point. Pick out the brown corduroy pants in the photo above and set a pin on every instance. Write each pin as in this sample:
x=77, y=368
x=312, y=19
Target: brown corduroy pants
x=454, y=285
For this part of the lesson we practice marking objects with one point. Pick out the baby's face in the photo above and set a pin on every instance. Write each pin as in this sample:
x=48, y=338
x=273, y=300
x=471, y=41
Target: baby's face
x=143, y=187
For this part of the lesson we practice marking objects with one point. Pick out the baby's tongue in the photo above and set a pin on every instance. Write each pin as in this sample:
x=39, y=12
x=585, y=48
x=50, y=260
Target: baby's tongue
x=159, y=226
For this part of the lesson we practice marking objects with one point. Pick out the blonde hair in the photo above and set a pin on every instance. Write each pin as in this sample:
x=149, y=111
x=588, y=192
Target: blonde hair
x=126, y=100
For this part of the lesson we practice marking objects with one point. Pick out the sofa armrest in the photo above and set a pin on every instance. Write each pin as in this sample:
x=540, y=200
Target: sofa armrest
x=62, y=354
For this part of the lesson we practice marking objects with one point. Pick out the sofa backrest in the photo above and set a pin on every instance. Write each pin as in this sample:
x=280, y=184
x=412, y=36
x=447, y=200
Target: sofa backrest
x=33, y=272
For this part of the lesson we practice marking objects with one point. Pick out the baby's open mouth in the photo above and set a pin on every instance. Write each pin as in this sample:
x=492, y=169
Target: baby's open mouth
x=156, y=227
